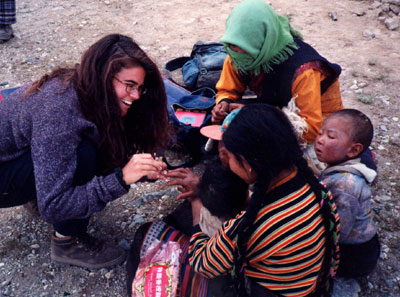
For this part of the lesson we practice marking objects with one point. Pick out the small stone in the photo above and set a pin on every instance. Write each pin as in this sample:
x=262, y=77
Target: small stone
x=385, y=7
x=365, y=99
x=109, y=274
x=7, y=291
x=372, y=61
x=395, y=2
x=384, y=198
x=354, y=87
x=394, y=8
x=395, y=119
x=124, y=244
x=391, y=23
x=359, y=12
x=333, y=15
x=376, y=4
x=383, y=128
x=5, y=283
x=368, y=34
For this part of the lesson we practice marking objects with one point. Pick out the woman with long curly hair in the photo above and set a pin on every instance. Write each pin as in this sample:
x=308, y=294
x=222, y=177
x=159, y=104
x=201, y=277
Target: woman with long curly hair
x=78, y=137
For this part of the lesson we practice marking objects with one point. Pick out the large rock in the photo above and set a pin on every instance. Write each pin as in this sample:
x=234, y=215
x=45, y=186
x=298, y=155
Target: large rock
x=396, y=2
x=392, y=23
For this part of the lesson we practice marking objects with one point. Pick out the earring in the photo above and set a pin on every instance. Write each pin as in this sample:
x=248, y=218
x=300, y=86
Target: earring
x=250, y=170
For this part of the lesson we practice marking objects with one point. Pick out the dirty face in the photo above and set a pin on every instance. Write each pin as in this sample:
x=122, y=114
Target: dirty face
x=334, y=143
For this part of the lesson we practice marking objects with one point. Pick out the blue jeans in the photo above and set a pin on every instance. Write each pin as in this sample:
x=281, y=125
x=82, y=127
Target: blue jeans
x=17, y=184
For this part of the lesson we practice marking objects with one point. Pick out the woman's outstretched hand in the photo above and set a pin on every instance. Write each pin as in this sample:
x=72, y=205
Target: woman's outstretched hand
x=141, y=165
x=186, y=181
x=219, y=112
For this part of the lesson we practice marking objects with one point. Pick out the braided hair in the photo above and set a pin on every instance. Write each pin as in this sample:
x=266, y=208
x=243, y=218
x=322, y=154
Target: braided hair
x=262, y=136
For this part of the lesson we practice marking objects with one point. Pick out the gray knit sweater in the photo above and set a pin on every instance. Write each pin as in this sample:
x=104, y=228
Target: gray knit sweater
x=50, y=124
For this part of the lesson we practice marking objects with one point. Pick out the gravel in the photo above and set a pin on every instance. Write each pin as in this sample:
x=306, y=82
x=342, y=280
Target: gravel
x=52, y=33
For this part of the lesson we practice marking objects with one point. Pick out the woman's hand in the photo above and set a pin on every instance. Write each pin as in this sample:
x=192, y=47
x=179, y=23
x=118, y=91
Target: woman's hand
x=234, y=106
x=219, y=112
x=186, y=181
x=141, y=165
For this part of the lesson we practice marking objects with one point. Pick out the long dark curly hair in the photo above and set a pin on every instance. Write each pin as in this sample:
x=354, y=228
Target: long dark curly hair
x=262, y=136
x=145, y=128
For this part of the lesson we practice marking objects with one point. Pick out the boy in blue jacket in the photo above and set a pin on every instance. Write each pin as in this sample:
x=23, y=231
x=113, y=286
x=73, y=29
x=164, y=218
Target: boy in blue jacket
x=343, y=137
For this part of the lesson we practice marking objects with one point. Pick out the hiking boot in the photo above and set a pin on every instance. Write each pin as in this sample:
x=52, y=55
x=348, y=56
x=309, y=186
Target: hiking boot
x=85, y=251
x=6, y=33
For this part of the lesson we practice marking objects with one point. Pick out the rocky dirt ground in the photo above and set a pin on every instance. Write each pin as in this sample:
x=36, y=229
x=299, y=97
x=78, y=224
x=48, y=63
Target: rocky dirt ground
x=362, y=36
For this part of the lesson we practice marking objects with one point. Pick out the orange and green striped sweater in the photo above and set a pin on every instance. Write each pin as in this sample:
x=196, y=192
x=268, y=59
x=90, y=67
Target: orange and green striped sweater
x=286, y=249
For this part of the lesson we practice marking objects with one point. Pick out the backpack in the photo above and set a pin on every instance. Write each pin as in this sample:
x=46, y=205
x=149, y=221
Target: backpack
x=188, y=112
x=202, y=69
x=5, y=92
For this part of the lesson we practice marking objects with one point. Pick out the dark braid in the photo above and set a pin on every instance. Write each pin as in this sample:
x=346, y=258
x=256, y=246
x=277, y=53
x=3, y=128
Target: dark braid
x=262, y=136
x=257, y=201
x=330, y=245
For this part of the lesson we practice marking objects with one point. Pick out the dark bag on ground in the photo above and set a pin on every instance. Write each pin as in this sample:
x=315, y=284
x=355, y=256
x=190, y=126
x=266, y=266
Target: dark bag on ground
x=202, y=69
x=189, y=111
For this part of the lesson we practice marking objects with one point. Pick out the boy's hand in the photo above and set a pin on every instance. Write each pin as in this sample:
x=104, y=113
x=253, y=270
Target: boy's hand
x=234, y=106
x=186, y=181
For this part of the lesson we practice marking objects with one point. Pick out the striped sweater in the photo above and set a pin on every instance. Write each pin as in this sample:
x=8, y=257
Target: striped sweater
x=286, y=249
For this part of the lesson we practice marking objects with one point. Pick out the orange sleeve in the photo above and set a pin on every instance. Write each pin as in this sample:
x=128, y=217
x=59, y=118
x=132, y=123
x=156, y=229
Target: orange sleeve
x=307, y=86
x=230, y=84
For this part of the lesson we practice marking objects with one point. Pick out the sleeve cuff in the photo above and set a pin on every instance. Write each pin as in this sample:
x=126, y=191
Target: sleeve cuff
x=226, y=100
x=118, y=173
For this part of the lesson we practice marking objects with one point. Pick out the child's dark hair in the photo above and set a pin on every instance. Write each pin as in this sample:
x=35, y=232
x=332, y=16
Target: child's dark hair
x=222, y=192
x=262, y=135
x=362, y=130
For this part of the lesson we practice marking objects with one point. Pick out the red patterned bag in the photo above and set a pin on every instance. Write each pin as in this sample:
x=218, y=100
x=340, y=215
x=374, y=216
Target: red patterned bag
x=158, y=272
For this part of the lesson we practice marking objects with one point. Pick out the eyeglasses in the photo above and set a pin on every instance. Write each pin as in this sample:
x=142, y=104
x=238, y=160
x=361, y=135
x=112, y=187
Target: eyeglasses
x=131, y=89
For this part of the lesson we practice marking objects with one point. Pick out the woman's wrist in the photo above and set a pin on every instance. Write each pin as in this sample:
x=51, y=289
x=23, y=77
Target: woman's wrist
x=119, y=174
x=227, y=100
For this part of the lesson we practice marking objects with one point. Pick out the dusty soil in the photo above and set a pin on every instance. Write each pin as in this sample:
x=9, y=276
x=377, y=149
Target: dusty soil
x=52, y=33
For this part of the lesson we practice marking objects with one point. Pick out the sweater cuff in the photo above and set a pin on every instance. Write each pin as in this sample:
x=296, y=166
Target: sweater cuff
x=226, y=100
x=118, y=173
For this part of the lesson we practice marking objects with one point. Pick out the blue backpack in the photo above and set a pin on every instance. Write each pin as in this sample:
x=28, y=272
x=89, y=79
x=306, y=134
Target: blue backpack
x=189, y=111
x=202, y=69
